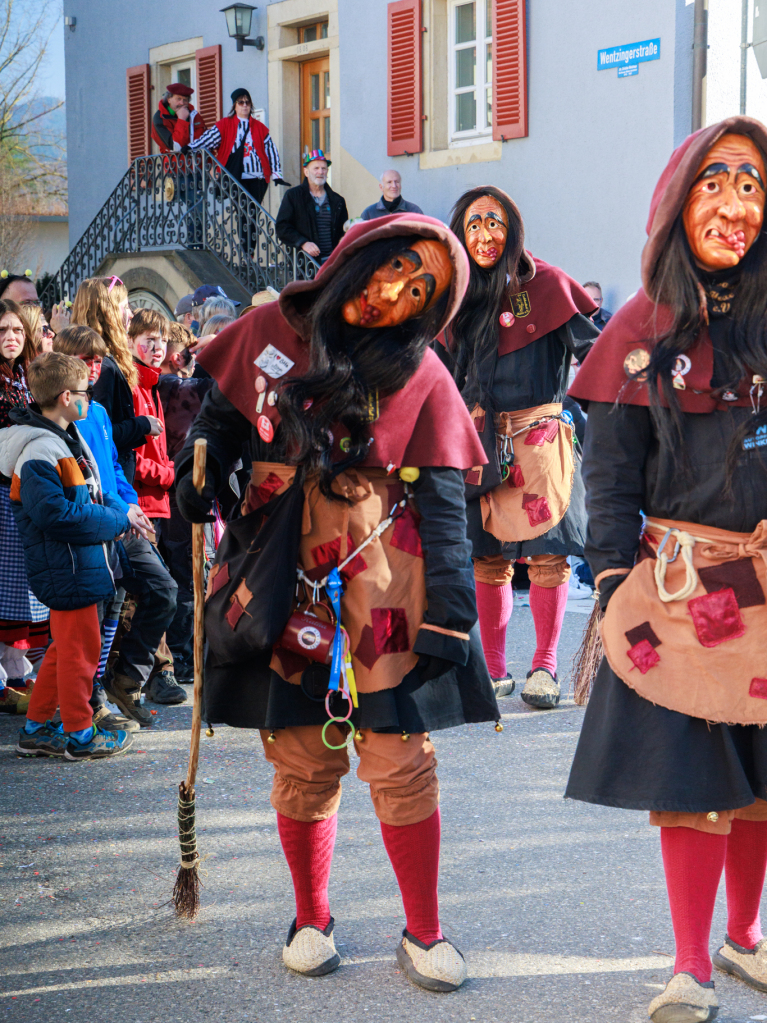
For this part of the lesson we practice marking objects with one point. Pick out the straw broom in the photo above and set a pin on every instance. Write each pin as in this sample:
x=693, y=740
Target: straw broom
x=186, y=891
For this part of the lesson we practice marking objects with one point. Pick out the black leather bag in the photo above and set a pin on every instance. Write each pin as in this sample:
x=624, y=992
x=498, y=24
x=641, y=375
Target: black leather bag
x=251, y=593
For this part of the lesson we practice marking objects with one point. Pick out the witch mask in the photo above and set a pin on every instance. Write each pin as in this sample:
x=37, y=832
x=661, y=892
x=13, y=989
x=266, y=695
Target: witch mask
x=724, y=209
x=408, y=284
x=486, y=228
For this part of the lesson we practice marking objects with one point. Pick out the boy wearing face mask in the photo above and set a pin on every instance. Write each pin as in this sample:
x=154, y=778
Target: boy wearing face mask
x=64, y=520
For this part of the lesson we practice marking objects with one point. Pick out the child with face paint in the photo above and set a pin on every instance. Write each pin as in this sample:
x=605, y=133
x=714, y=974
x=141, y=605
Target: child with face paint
x=337, y=377
x=677, y=491
x=509, y=349
x=64, y=520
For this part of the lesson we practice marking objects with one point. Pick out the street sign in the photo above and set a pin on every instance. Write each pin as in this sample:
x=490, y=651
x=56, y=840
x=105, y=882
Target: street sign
x=628, y=57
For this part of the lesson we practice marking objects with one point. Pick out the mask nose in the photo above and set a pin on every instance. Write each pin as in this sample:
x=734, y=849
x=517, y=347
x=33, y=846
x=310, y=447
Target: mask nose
x=731, y=207
x=391, y=291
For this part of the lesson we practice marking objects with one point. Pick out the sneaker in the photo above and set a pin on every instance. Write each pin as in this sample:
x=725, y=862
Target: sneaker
x=109, y=722
x=163, y=688
x=435, y=967
x=311, y=951
x=749, y=964
x=13, y=702
x=577, y=590
x=126, y=694
x=685, y=1000
x=541, y=689
x=102, y=744
x=48, y=741
x=503, y=686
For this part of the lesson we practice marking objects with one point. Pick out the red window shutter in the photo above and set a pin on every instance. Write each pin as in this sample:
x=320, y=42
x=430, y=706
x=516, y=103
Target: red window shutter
x=139, y=111
x=405, y=94
x=509, y=70
x=208, y=62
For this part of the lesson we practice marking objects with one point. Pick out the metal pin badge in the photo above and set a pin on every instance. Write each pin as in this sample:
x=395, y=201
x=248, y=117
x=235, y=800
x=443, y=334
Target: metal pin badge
x=272, y=398
x=506, y=319
x=261, y=391
x=265, y=429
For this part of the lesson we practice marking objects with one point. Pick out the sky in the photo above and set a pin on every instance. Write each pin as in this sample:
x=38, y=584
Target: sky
x=50, y=79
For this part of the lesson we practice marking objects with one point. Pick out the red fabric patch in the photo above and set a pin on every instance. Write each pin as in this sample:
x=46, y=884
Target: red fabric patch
x=740, y=576
x=758, y=688
x=366, y=648
x=219, y=579
x=390, y=630
x=406, y=536
x=290, y=663
x=643, y=631
x=716, y=617
x=479, y=424
x=643, y=655
x=235, y=612
x=474, y=477
x=327, y=556
x=516, y=477
x=267, y=488
x=538, y=436
x=537, y=509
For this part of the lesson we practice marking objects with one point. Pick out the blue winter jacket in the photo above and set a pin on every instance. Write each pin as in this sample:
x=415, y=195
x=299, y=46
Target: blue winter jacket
x=62, y=530
x=96, y=431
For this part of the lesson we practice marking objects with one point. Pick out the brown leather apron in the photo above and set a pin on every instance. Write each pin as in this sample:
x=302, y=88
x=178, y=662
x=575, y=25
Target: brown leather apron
x=536, y=494
x=687, y=628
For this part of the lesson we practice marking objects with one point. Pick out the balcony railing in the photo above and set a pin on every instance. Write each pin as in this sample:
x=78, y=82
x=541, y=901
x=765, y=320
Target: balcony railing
x=189, y=201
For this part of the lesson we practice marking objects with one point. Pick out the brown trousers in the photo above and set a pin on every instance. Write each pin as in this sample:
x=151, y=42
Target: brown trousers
x=715, y=822
x=307, y=775
x=547, y=570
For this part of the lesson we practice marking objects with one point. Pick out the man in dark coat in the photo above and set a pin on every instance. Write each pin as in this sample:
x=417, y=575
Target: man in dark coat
x=311, y=215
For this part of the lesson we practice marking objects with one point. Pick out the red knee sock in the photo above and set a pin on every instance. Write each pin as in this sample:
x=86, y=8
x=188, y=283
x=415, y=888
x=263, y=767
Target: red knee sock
x=548, y=605
x=494, y=605
x=744, y=870
x=414, y=853
x=693, y=862
x=308, y=848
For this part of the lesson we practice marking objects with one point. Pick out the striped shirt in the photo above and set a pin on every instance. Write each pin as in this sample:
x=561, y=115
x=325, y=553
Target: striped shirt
x=211, y=139
x=325, y=238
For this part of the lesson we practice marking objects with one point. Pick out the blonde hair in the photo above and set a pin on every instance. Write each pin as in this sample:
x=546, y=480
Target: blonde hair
x=33, y=315
x=53, y=372
x=97, y=307
x=217, y=323
x=83, y=342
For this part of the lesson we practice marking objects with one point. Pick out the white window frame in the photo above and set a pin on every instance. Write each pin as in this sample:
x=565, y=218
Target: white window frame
x=481, y=131
x=185, y=65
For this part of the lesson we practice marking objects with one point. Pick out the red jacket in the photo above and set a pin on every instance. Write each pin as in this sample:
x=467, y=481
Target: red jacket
x=154, y=470
x=168, y=129
x=227, y=127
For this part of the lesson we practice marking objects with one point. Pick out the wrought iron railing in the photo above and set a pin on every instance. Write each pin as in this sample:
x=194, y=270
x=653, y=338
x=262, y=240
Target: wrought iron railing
x=184, y=200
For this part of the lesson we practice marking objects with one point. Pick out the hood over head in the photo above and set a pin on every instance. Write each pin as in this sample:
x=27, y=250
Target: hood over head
x=298, y=297
x=671, y=191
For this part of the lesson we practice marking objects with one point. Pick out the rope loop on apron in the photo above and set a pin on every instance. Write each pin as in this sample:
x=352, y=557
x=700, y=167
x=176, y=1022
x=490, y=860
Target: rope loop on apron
x=685, y=543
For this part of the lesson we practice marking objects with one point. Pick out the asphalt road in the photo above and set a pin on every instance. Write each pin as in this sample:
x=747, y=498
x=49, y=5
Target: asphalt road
x=558, y=907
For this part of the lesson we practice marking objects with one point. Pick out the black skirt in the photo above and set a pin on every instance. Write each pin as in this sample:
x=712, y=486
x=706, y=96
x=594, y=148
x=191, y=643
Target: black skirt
x=566, y=538
x=251, y=695
x=638, y=756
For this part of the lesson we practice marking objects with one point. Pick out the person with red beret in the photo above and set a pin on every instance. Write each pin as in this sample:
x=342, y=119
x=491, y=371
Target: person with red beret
x=176, y=123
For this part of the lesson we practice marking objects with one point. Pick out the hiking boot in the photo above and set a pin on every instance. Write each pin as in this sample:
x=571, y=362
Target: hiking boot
x=438, y=966
x=311, y=951
x=101, y=744
x=48, y=741
x=109, y=722
x=503, y=686
x=749, y=964
x=685, y=1000
x=163, y=688
x=541, y=689
x=14, y=702
x=126, y=693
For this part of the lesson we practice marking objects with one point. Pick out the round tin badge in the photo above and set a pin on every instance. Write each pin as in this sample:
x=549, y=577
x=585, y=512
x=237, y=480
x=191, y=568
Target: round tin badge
x=265, y=429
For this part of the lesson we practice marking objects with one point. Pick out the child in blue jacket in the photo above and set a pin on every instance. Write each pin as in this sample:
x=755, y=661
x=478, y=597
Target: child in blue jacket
x=64, y=521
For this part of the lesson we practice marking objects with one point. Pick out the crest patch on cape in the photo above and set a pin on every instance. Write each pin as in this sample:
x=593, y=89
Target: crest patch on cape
x=272, y=362
x=635, y=362
x=521, y=304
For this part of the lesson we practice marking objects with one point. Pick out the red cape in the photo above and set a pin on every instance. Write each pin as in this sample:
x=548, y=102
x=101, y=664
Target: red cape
x=424, y=424
x=603, y=376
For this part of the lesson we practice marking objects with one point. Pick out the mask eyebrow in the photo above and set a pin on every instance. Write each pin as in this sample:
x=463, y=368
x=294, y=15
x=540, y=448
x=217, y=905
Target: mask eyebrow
x=472, y=218
x=412, y=256
x=712, y=170
x=748, y=168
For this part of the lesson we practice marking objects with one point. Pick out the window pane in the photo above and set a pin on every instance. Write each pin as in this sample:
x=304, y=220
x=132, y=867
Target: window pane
x=488, y=63
x=326, y=147
x=324, y=30
x=465, y=67
x=465, y=112
x=316, y=133
x=489, y=112
x=326, y=88
x=489, y=18
x=310, y=34
x=315, y=92
x=184, y=76
x=465, y=23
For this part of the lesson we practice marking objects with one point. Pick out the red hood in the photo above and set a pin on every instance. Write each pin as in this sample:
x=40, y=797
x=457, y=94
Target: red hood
x=675, y=181
x=297, y=298
x=147, y=376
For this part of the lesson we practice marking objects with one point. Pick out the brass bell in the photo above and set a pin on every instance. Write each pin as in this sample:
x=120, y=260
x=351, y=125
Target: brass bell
x=209, y=732
x=713, y=817
x=405, y=736
x=359, y=737
x=498, y=726
x=272, y=738
x=409, y=474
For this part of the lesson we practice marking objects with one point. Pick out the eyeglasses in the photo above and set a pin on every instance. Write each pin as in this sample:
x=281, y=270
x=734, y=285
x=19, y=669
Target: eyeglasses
x=87, y=391
x=112, y=281
x=48, y=331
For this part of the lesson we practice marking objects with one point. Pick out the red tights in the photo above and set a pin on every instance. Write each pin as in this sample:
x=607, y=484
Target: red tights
x=693, y=863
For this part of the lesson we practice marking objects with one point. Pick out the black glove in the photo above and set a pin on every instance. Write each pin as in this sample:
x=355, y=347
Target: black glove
x=281, y=181
x=430, y=666
x=193, y=506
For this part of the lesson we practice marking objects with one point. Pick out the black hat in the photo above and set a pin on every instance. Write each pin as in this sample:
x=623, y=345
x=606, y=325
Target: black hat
x=239, y=93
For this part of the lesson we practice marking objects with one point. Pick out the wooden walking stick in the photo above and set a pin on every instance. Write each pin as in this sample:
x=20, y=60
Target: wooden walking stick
x=186, y=891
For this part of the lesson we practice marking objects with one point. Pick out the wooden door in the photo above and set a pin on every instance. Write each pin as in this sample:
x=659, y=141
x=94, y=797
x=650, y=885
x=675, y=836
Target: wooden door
x=315, y=106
